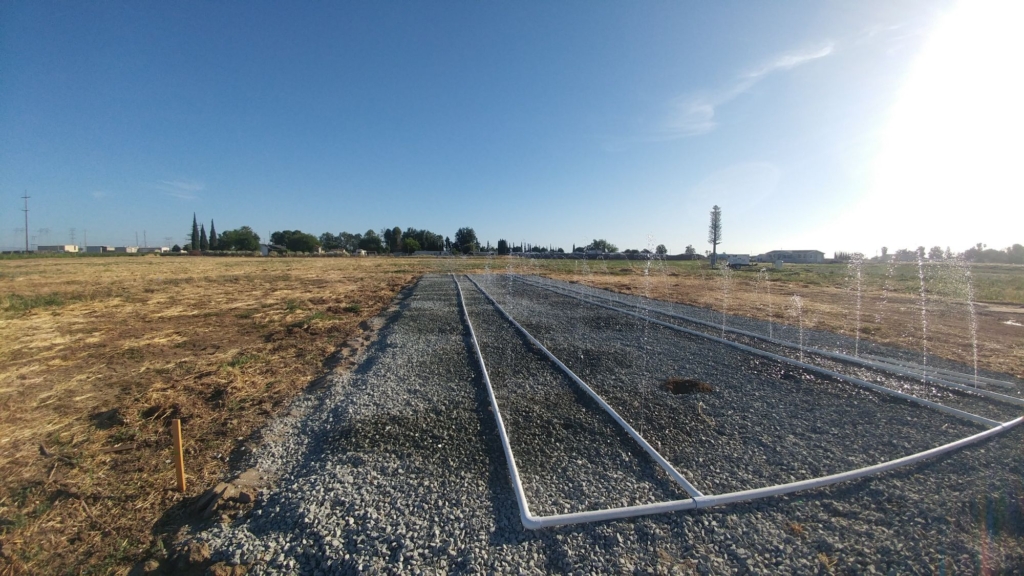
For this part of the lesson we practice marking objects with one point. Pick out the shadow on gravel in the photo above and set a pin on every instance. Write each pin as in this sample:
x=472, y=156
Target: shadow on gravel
x=187, y=514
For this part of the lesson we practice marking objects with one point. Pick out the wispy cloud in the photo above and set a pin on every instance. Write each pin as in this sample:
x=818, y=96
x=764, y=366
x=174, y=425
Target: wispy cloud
x=100, y=194
x=694, y=113
x=186, y=190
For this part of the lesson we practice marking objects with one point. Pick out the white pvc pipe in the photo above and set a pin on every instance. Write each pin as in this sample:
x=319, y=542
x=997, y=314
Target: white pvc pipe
x=833, y=355
x=669, y=469
x=768, y=491
x=517, y=486
x=532, y=522
x=951, y=374
x=809, y=367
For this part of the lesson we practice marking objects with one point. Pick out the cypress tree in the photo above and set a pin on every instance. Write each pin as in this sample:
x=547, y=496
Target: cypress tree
x=203, y=243
x=214, y=243
x=195, y=233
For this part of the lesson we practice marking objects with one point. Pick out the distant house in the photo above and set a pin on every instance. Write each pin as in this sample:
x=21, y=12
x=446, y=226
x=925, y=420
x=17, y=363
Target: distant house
x=793, y=256
x=154, y=250
x=266, y=249
x=359, y=252
x=126, y=249
x=58, y=248
x=98, y=249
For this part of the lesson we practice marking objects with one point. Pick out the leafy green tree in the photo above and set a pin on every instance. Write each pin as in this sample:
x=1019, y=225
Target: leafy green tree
x=371, y=242
x=690, y=250
x=295, y=240
x=1015, y=254
x=410, y=245
x=330, y=241
x=204, y=244
x=465, y=239
x=935, y=253
x=176, y=248
x=302, y=242
x=661, y=250
x=349, y=242
x=396, y=239
x=195, y=233
x=214, y=241
x=448, y=244
x=602, y=245
x=242, y=239
x=503, y=247
x=280, y=238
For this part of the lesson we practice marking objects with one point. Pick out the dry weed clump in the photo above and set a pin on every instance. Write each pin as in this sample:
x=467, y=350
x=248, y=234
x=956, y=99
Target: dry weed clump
x=100, y=353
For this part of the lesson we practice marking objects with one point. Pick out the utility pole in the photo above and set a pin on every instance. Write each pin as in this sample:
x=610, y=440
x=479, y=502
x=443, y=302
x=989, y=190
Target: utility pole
x=25, y=210
x=145, y=242
x=85, y=239
x=136, y=239
x=72, y=234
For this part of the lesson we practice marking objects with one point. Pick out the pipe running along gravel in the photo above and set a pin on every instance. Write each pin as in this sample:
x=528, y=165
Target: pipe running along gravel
x=884, y=367
x=946, y=373
x=672, y=472
x=517, y=484
x=532, y=522
x=768, y=491
x=786, y=360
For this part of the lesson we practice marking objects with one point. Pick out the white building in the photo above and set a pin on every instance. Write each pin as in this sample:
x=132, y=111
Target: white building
x=58, y=248
x=126, y=249
x=793, y=256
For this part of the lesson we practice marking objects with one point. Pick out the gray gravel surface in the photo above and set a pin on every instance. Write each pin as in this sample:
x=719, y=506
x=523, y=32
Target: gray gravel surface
x=396, y=467
x=821, y=339
x=972, y=403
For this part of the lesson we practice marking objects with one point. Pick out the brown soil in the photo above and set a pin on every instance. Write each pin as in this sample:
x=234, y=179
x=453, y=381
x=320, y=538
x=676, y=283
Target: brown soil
x=100, y=353
x=888, y=318
x=687, y=386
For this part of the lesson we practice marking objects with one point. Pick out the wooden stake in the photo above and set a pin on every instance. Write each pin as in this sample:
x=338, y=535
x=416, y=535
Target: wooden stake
x=179, y=453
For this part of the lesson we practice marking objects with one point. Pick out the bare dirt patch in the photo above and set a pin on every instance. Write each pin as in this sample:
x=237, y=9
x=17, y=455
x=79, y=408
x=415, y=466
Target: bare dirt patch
x=100, y=353
x=687, y=386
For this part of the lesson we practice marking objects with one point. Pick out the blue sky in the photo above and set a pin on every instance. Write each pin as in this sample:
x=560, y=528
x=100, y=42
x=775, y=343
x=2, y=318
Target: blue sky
x=546, y=122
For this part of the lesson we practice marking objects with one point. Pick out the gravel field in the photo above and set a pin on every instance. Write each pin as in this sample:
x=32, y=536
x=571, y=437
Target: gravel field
x=830, y=341
x=936, y=393
x=397, y=467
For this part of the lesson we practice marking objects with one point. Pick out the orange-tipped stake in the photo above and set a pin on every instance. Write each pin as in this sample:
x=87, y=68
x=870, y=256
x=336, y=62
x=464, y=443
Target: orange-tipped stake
x=179, y=453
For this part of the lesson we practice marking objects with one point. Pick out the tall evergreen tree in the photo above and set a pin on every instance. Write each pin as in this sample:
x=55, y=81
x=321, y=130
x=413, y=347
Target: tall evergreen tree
x=396, y=237
x=195, y=233
x=715, y=233
x=214, y=242
x=203, y=243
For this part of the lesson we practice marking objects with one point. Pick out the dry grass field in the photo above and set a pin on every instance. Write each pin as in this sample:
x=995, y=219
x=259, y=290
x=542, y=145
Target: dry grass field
x=100, y=353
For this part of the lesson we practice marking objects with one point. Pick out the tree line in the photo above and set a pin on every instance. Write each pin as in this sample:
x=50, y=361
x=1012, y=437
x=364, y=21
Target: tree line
x=242, y=239
x=388, y=240
x=979, y=253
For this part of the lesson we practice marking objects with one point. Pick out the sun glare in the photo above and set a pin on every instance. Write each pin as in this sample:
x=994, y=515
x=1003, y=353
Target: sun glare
x=950, y=166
